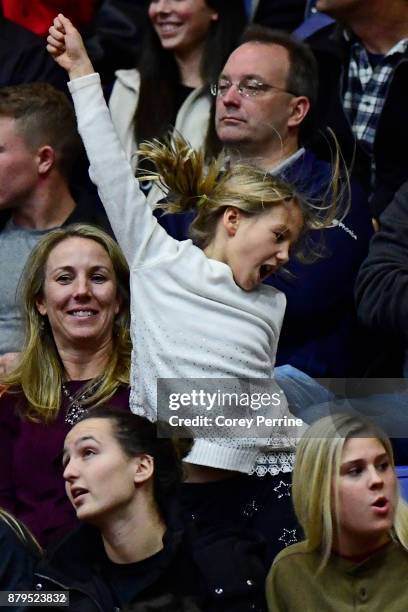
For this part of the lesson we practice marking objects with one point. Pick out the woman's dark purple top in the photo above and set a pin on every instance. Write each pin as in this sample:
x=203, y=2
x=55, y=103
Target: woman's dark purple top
x=31, y=483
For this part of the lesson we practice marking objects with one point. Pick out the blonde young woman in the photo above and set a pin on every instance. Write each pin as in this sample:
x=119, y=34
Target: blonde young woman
x=19, y=553
x=76, y=355
x=346, y=498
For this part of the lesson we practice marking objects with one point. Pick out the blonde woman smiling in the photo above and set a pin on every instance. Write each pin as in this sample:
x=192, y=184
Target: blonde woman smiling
x=76, y=355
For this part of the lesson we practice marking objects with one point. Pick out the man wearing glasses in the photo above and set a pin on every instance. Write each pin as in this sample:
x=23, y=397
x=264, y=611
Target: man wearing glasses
x=264, y=101
x=263, y=97
x=264, y=115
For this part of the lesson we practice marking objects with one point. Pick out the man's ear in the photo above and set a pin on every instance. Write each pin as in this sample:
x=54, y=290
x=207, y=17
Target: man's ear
x=45, y=159
x=299, y=107
x=231, y=220
x=144, y=468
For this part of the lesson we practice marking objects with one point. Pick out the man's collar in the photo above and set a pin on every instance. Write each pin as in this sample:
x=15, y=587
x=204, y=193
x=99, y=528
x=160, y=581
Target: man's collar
x=278, y=167
x=288, y=161
x=399, y=47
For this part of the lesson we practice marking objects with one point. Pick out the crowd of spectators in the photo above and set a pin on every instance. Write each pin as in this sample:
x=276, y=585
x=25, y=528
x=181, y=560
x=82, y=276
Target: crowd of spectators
x=264, y=237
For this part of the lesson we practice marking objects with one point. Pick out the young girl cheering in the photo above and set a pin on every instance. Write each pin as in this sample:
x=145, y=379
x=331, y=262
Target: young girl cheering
x=198, y=310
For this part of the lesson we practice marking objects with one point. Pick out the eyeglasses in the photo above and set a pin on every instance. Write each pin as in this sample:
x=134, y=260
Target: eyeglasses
x=247, y=88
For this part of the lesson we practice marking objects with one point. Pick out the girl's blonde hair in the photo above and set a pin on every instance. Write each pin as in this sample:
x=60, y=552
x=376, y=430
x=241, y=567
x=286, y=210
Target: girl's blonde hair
x=190, y=185
x=317, y=466
x=40, y=371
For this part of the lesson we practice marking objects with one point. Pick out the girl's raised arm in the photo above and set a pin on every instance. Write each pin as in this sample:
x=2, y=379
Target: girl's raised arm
x=136, y=229
x=66, y=46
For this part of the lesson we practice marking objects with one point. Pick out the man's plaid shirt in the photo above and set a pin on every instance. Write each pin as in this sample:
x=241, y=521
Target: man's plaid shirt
x=366, y=90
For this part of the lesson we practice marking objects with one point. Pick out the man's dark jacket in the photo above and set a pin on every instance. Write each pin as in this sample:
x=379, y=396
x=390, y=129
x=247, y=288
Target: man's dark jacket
x=24, y=58
x=382, y=283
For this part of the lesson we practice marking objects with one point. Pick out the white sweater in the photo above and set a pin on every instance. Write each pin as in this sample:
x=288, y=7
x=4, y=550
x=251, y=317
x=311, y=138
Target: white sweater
x=189, y=318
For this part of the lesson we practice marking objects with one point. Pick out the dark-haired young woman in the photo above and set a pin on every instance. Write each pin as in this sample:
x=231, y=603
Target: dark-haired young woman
x=185, y=47
x=122, y=480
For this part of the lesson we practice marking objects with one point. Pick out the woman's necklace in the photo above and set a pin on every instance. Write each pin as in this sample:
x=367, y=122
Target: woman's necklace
x=75, y=407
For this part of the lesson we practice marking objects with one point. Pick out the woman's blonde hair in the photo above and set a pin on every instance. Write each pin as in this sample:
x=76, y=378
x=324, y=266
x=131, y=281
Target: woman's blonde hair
x=22, y=532
x=40, y=371
x=317, y=467
x=191, y=185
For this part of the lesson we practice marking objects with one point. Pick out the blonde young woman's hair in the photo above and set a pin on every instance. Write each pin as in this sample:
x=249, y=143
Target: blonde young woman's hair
x=191, y=185
x=40, y=371
x=317, y=467
x=21, y=531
